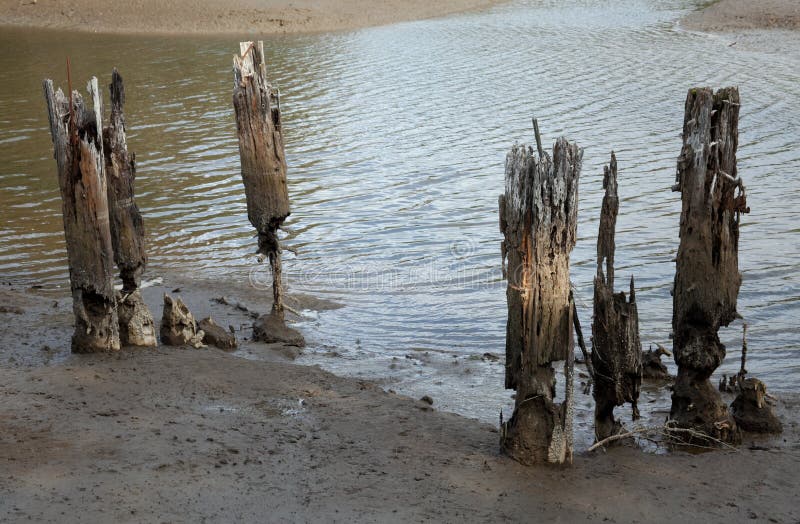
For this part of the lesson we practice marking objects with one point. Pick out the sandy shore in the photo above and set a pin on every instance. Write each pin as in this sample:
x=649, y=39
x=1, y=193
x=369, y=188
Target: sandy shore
x=185, y=435
x=233, y=16
x=732, y=15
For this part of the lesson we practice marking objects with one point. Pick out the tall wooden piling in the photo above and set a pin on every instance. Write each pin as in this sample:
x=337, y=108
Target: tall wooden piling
x=707, y=277
x=538, y=218
x=258, y=124
x=616, y=348
x=76, y=131
x=127, y=227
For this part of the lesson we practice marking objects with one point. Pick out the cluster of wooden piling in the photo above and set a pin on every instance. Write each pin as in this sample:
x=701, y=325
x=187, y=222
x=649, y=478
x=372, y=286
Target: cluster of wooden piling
x=538, y=217
x=103, y=225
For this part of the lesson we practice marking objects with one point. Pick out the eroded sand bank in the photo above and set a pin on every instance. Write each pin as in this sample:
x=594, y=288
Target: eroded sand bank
x=732, y=15
x=232, y=16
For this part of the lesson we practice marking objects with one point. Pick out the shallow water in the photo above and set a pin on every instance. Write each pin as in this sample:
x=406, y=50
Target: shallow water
x=396, y=138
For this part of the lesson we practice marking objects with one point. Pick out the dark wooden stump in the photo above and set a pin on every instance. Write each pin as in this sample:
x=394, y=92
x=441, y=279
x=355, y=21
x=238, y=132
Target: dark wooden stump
x=707, y=277
x=538, y=218
x=616, y=348
x=751, y=410
x=652, y=367
x=258, y=124
x=215, y=335
x=137, y=327
x=76, y=131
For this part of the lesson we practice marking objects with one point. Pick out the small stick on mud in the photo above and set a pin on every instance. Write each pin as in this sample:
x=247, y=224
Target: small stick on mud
x=666, y=434
x=241, y=307
x=236, y=305
x=619, y=436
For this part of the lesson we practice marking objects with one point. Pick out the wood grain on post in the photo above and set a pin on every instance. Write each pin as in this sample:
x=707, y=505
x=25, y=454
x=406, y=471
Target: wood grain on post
x=616, y=347
x=707, y=277
x=538, y=218
x=137, y=327
x=258, y=124
x=76, y=131
x=127, y=226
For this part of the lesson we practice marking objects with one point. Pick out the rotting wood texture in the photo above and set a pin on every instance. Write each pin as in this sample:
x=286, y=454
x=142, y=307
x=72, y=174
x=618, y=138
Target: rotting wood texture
x=258, y=124
x=76, y=131
x=178, y=326
x=616, y=348
x=136, y=325
x=707, y=277
x=538, y=218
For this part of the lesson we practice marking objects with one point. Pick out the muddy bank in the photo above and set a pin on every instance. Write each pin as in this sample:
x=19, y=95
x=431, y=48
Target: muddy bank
x=36, y=324
x=210, y=16
x=733, y=15
x=185, y=434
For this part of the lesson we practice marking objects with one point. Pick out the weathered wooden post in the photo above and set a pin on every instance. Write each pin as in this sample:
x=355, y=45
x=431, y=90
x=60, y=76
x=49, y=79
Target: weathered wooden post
x=127, y=228
x=76, y=131
x=538, y=218
x=707, y=277
x=616, y=349
x=258, y=124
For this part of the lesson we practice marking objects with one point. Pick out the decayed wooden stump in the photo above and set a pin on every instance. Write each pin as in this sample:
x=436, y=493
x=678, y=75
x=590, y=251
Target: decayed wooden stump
x=652, y=367
x=707, y=277
x=178, y=326
x=127, y=227
x=538, y=218
x=215, y=335
x=76, y=131
x=616, y=349
x=751, y=410
x=258, y=123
